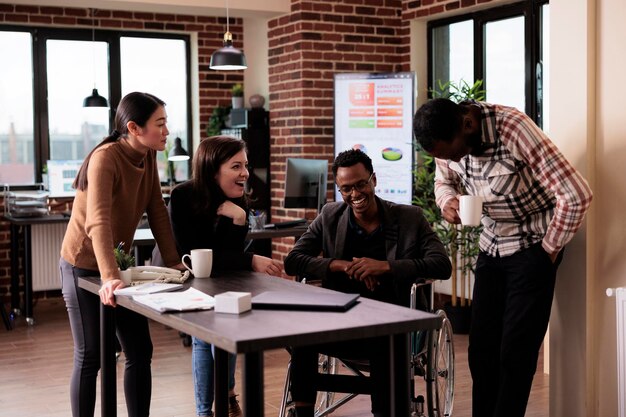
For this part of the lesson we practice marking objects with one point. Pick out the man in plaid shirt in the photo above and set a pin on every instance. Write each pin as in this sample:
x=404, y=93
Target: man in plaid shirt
x=534, y=201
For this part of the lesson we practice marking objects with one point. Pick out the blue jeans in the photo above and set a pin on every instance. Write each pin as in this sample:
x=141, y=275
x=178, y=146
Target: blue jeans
x=202, y=364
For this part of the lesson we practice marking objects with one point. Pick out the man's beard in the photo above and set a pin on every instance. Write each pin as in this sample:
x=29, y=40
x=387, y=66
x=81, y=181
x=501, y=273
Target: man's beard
x=476, y=144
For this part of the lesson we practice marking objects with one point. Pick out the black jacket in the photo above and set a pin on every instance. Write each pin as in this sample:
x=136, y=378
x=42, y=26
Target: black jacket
x=413, y=250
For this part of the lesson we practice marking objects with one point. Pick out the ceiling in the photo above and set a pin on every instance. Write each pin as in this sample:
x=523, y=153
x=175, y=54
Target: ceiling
x=237, y=8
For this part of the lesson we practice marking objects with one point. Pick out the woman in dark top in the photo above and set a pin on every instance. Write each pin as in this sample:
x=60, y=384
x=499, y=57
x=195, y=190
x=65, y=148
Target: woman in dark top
x=209, y=212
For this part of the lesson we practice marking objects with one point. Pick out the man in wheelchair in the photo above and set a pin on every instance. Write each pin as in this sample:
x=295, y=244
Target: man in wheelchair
x=368, y=246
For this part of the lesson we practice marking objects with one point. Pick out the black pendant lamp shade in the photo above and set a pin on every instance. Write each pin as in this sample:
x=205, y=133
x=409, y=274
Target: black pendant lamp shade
x=177, y=153
x=95, y=100
x=228, y=57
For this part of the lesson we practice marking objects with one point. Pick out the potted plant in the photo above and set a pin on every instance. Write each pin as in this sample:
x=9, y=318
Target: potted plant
x=237, y=96
x=217, y=121
x=124, y=262
x=460, y=242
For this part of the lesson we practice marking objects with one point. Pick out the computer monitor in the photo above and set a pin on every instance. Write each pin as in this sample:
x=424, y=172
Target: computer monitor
x=61, y=174
x=305, y=183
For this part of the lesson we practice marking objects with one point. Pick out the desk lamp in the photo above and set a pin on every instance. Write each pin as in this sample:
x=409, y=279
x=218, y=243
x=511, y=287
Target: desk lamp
x=176, y=154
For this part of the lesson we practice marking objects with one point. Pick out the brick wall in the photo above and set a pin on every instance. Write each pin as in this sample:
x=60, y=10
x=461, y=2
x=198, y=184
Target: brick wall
x=306, y=48
x=214, y=86
x=317, y=39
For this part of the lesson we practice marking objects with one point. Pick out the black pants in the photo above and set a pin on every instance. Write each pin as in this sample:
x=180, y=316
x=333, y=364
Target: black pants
x=304, y=367
x=510, y=313
x=83, y=309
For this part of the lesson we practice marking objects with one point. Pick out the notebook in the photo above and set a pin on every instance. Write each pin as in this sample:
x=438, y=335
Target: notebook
x=304, y=300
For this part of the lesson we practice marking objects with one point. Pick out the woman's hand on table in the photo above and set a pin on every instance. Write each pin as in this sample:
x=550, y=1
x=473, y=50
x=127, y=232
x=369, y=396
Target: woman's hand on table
x=106, y=291
x=267, y=265
x=179, y=266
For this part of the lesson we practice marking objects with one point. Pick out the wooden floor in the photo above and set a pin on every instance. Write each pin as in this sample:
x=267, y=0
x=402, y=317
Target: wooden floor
x=35, y=365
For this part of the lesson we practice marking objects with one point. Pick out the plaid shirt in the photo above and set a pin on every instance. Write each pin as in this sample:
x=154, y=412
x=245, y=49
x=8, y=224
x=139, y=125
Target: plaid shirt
x=530, y=192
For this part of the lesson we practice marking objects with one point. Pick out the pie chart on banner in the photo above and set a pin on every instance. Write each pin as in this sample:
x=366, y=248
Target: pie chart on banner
x=359, y=147
x=392, y=154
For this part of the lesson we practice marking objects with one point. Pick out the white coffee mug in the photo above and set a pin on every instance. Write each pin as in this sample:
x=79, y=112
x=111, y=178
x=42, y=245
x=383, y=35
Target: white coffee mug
x=470, y=209
x=202, y=262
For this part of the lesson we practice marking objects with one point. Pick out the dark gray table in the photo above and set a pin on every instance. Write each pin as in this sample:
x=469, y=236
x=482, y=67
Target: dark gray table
x=255, y=331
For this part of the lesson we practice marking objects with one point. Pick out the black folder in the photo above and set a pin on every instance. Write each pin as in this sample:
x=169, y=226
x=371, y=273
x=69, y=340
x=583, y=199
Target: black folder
x=304, y=300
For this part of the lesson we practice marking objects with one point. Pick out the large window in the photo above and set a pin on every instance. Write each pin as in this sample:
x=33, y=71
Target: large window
x=16, y=109
x=505, y=47
x=165, y=63
x=53, y=70
x=74, y=68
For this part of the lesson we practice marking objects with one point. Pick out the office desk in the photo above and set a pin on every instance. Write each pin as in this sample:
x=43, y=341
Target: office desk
x=144, y=239
x=255, y=331
x=26, y=223
x=143, y=242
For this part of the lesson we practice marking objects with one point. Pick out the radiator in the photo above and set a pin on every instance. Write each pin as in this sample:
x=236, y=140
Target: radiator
x=620, y=310
x=45, y=246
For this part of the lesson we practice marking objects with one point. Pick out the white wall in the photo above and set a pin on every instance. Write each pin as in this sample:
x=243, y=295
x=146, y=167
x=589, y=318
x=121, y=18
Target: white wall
x=256, y=77
x=572, y=122
x=609, y=262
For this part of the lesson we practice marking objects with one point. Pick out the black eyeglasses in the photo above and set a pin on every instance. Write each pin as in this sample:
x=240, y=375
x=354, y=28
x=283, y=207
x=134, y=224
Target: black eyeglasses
x=359, y=186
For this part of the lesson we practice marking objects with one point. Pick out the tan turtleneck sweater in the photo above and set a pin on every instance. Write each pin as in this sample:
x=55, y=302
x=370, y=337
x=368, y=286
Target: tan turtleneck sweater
x=122, y=184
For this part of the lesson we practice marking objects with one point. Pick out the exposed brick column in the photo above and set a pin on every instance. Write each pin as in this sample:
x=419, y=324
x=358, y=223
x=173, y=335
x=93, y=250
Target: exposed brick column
x=316, y=40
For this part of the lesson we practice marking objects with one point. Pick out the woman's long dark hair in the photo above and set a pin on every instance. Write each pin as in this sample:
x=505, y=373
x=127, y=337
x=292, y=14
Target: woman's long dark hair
x=136, y=107
x=207, y=160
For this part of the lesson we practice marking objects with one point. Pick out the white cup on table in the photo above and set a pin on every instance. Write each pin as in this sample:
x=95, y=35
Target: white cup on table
x=470, y=209
x=201, y=262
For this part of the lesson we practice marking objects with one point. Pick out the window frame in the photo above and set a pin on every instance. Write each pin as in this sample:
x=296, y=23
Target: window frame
x=40, y=35
x=531, y=11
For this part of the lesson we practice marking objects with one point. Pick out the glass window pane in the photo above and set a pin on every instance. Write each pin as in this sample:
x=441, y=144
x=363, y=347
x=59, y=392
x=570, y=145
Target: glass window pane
x=159, y=67
x=74, y=69
x=16, y=109
x=453, y=56
x=504, y=62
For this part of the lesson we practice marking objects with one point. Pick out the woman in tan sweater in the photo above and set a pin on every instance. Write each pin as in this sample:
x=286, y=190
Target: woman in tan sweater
x=116, y=184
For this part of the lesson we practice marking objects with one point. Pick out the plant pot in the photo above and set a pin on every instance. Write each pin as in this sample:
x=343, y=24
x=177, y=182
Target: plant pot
x=237, y=102
x=126, y=276
x=460, y=317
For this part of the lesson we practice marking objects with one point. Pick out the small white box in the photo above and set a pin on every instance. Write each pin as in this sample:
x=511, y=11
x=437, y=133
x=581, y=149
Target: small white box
x=233, y=302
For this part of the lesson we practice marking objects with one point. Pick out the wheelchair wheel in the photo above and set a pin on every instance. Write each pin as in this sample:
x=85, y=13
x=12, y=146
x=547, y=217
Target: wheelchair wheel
x=440, y=370
x=326, y=365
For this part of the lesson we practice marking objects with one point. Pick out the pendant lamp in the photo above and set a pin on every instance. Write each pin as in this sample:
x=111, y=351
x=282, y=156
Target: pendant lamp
x=95, y=99
x=228, y=58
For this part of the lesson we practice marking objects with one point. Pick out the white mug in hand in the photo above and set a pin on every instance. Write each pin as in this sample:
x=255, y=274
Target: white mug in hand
x=201, y=261
x=470, y=209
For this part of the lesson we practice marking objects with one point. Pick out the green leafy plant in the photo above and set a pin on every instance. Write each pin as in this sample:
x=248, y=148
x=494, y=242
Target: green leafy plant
x=460, y=242
x=460, y=91
x=124, y=260
x=237, y=90
x=217, y=120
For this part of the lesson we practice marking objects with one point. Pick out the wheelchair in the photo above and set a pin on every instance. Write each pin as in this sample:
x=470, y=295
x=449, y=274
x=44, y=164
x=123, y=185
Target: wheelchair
x=432, y=360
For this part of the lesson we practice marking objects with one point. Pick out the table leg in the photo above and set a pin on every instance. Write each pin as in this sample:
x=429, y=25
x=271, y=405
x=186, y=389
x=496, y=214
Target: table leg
x=28, y=277
x=15, y=269
x=252, y=370
x=221, y=382
x=108, y=381
x=400, y=375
